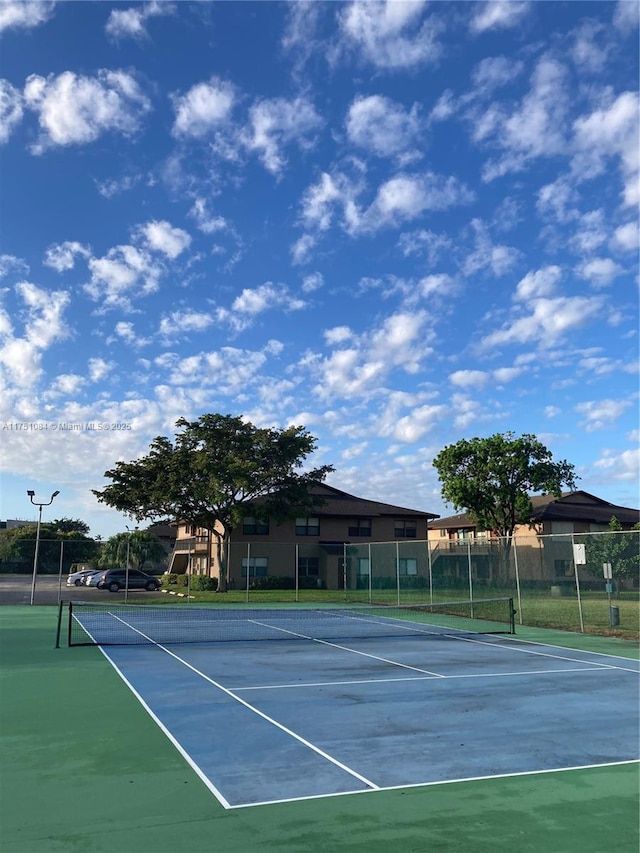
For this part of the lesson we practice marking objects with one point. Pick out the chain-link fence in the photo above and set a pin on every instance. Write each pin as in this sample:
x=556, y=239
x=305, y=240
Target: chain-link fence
x=556, y=581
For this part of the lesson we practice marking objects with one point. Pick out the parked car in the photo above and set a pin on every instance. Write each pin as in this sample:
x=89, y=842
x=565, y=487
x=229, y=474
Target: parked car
x=78, y=578
x=116, y=579
x=92, y=580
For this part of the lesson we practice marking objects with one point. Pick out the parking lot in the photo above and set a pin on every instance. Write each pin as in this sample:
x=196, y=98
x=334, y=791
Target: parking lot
x=50, y=589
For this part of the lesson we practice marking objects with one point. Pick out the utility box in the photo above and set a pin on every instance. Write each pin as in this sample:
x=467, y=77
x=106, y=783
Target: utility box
x=614, y=616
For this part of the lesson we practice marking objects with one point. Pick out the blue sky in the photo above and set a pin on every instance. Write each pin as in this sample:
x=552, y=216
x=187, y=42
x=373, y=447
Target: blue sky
x=397, y=224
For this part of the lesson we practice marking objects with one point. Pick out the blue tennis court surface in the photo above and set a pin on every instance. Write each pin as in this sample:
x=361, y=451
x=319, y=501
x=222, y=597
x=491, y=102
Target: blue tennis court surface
x=265, y=722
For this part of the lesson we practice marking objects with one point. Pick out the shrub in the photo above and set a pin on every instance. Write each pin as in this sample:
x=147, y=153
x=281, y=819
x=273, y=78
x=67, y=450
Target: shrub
x=201, y=583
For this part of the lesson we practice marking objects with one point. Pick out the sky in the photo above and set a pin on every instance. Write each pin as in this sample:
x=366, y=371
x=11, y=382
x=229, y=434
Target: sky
x=397, y=224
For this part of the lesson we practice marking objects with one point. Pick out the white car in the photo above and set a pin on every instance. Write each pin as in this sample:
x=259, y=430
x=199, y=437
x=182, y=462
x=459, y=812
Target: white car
x=92, y=580
x=78, y=578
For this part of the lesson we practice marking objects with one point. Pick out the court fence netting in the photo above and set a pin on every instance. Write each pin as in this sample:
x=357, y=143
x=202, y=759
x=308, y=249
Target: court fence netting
x=105, y=624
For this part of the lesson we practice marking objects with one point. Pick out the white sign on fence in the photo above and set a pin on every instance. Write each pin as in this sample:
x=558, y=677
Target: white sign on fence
x=606, y=569
x=579, y=555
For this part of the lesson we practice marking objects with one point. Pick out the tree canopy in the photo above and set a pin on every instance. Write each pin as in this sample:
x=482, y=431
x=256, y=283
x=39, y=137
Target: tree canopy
x=17, y=545
x=140, y=546
x=215, y=467
x=492, y=478
x=616, y=547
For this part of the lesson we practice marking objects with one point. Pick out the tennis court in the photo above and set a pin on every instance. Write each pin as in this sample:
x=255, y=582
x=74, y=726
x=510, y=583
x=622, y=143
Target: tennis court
x=361, y=700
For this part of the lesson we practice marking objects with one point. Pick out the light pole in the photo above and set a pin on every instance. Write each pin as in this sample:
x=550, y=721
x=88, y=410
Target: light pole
x=126, y=570
x=39, y=504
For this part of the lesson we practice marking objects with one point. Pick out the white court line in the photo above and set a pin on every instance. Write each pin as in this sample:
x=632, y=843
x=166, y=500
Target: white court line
x=442, y=782
x=348, y=649
x=347, y=683
x=544, y=654
x=254, y=710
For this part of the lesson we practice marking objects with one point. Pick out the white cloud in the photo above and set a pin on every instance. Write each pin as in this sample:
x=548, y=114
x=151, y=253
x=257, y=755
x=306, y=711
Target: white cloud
x=162, y=237
x=62, y=256
x=424, y=242
x=498, y=14
x=542, y=282
x=469, y=378
x=264, y=298
x=204, y=108
x=125, y=271
x=390, y=34
x=626, y=16
x=626, y=237
x=99, y=369
x=44, y=324
x=601, y=413
x=311, y=282
x=205, y=221
x=600, y=271
x=276, y=122
x=74, y=109
x=547, y=322
x=620, y=467
x=9, y=263
x=552, y=411
x=18, y=14
x=536, y=128
x=610, y=132
x=487, y=256
x=382, y=126
x=130, y=23
x=183, y=321
x=493, y=72
x=405, y=197
x=10, y=109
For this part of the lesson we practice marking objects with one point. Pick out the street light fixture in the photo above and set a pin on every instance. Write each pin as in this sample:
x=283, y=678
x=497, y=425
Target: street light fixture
x=39, y=504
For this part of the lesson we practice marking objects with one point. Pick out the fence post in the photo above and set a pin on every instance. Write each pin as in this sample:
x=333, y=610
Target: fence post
x=60, y=572
x=515, y=565
x=575, y=571
x=297, y=559
x=470, y=574
x=370, y=573
x=430, y=572
x=248, y=569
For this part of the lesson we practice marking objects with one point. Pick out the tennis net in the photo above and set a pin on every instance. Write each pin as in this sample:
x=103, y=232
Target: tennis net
x=129, y=624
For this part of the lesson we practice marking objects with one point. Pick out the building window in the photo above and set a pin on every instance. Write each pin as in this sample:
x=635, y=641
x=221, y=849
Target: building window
x=360, y=527
x=258, y=567
x=407, y=566
x=254, y=526
x=563, y=568
x=405, y=529
x=443, y=532
x=308, y=567
x=363, y=567
x=307, y=526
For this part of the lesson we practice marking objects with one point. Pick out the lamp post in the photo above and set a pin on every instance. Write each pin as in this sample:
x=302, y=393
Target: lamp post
x=126, y=569
x=39, y=504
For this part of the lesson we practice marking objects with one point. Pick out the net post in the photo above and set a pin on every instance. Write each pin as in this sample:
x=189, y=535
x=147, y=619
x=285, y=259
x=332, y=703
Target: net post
x=59, y=625
x=512, y=616
x=69, y=624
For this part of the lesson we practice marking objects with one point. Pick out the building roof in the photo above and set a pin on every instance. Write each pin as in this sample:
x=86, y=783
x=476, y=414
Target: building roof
x=570, y=506
x=338, y=503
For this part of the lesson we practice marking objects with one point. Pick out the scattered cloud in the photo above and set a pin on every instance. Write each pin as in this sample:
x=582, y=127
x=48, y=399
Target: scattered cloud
x=130, y=23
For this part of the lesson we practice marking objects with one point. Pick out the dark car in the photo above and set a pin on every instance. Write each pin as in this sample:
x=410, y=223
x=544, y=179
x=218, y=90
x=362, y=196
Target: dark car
x=116, y=579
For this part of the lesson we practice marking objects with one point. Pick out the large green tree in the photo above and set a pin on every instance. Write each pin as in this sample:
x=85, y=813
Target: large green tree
x=66, y=536
x=215, y=468
x=492, y=479
x=141, y=547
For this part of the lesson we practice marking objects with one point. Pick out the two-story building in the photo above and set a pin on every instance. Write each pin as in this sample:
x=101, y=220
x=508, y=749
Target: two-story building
x=319, y=549
x=543, y=547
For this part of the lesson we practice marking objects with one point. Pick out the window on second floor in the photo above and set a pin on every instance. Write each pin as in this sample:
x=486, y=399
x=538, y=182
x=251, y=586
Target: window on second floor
x=254, y=526
x=360, y=527
x=307, y=526
x=406, y=529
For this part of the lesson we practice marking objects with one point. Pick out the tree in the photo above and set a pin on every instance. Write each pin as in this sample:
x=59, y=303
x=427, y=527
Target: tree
x=492, y=478
x=616, y=547
x=17, y=545
x=140, y=546
x=215, y=468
